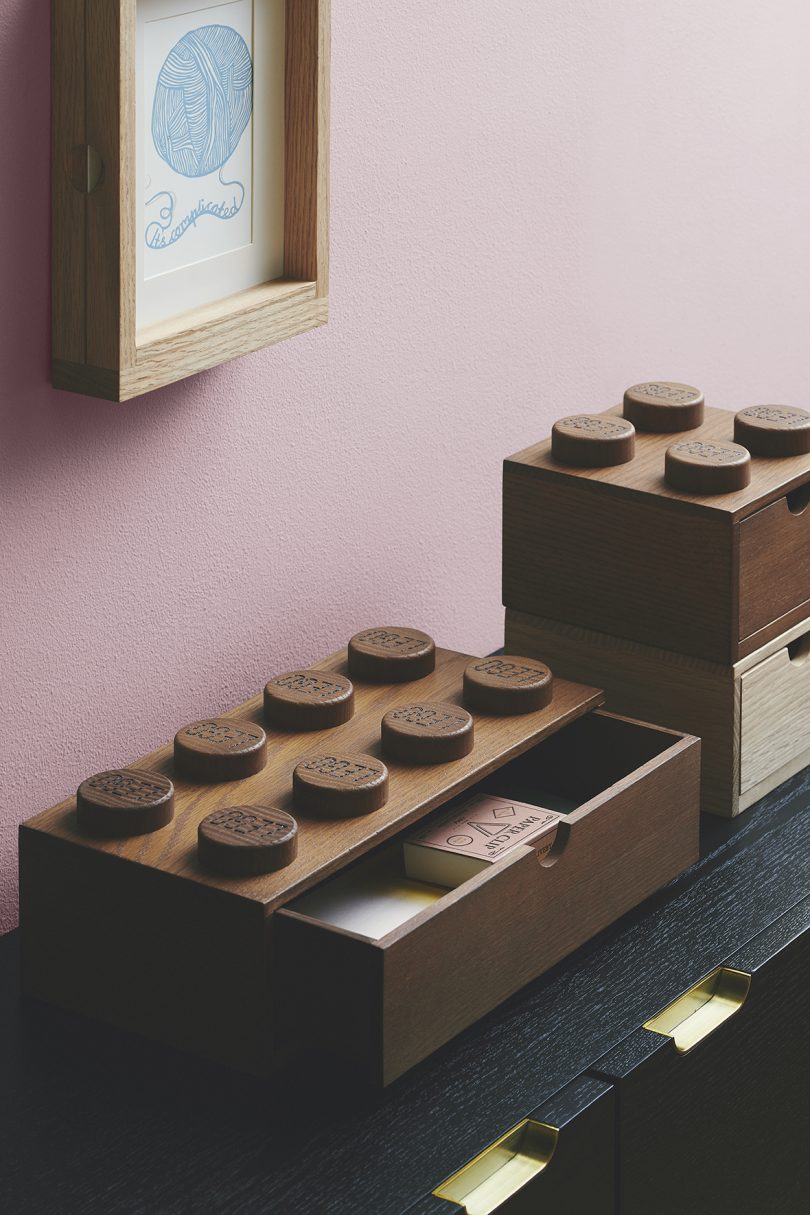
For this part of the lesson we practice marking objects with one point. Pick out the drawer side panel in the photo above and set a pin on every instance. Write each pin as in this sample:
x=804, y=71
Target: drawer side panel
x=774, y=566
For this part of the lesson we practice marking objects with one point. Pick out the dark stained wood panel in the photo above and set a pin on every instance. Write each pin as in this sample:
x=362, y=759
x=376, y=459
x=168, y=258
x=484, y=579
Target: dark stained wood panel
x=726, y=1120
x=626, y=567
x=771, y=477
x=325, y=845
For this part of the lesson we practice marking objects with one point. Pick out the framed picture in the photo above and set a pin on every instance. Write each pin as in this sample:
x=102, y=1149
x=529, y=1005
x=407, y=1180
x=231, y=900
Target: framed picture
x=190, y=185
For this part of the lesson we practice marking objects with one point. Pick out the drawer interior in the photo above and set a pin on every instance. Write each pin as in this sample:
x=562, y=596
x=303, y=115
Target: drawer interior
x=578, y=765
x=580, y=762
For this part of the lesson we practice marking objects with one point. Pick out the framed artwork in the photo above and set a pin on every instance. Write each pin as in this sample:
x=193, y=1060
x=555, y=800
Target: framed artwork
x=190, y=185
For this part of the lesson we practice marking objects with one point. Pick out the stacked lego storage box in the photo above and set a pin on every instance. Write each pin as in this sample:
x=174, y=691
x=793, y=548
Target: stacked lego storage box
x=662, y=549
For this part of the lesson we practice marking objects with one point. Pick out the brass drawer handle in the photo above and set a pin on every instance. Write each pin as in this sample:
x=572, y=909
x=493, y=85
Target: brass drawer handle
x=702, y=1009
x=502, y=1169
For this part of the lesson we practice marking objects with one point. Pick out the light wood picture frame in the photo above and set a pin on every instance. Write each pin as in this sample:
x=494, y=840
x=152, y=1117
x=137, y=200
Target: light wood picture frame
x=97, y=347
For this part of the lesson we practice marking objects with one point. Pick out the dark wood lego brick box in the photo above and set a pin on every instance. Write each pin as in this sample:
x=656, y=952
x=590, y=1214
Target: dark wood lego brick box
x=235, y=966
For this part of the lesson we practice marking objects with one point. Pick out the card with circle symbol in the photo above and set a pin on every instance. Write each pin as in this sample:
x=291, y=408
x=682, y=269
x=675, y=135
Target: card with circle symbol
x=485, y=827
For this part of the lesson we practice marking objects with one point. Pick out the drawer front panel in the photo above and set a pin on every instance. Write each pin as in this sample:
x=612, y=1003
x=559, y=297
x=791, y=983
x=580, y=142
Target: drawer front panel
x=627, y=568
x=775, y=715
x=559, y=1159
x=718, y=1121
x=393, y=1001
x=775, y=563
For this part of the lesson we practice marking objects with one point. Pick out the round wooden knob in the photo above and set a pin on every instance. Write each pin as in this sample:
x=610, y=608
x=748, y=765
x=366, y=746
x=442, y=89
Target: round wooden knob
x=773, y=430
x=220, y=749
x=241, y=840
x=507, y=684
x=125, y=801
x=664, y=407
x=391, y=655
x=308, y=700
x=592, y=440
x=695, y=467
x=340, y=784
x=427, y=733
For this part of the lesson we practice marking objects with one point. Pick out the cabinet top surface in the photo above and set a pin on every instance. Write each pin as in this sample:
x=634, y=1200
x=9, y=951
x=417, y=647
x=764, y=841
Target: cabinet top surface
x=326, y=845
x=92, y=1112
x=644, y=474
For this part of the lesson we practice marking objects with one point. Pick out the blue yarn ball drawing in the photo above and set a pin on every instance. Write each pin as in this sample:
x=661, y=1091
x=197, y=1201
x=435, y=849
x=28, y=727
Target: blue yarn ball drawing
x=202, y=105
x=203, y=100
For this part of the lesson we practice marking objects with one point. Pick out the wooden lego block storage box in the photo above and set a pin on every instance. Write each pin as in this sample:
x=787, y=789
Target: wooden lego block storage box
x=618, y=549
x=177, y=932
x=753, y=717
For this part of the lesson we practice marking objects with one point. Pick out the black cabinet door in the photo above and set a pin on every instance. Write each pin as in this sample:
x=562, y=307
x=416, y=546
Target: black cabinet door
x=716, y=1118
x=559, y=1160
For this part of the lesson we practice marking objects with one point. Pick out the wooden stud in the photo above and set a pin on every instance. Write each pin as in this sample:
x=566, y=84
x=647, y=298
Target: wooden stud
x=427, y=733
x=507, y=684
x=391, y=655
x=773, y=430
x=308, y=700
x=664, y=407
x=220, y=749
x=244, y=840
x=591, y=441
x=697, y=467
x=338, y=784
x=124, y=802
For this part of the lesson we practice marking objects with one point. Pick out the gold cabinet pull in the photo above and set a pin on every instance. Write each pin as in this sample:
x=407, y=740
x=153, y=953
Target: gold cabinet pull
x=502, y=1169
x=702, y=1009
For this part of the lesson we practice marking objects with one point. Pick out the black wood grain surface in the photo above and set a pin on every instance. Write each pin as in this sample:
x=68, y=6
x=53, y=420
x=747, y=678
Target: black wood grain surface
x=727, y=1120
x=92, y=1120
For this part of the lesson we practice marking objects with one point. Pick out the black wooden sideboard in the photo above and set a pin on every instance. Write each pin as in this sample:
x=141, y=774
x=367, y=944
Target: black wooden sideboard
x=92, y=1120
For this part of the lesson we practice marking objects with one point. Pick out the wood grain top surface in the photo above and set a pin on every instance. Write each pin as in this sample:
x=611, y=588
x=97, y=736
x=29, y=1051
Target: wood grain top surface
x=644, y=474
x=325, y=845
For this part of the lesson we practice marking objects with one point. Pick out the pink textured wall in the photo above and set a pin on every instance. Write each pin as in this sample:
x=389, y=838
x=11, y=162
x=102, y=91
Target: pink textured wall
x=533, y=205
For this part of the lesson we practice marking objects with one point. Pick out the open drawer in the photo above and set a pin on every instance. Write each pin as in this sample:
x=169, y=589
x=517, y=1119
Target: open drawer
x=379, y=998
